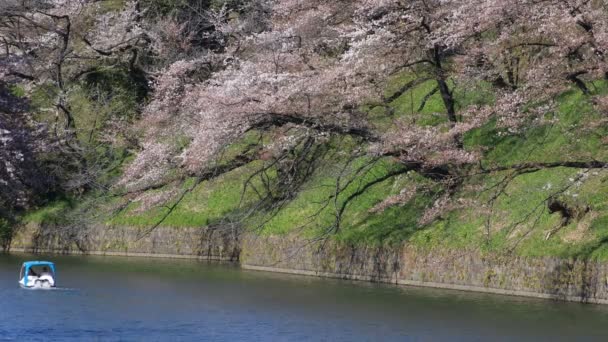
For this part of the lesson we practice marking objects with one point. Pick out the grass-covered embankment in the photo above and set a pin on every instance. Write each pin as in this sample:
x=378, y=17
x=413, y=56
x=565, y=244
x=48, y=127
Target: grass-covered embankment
x=545, y=211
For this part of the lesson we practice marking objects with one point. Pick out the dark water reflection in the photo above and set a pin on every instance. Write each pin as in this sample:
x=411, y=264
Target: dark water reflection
x=129, y=299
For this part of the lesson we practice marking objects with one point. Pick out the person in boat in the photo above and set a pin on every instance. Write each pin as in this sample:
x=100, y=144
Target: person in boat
x=45, y=272
x=45, y=275
x=31, y=276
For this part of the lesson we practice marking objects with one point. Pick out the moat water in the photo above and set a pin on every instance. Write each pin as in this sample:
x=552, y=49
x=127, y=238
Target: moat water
x=132, y=299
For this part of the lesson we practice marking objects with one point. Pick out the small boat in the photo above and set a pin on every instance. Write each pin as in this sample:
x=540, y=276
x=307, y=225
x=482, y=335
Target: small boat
x=37, y=275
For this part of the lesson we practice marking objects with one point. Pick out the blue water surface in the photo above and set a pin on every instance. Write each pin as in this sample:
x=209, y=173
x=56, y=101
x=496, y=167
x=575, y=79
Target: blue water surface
x=131, y=299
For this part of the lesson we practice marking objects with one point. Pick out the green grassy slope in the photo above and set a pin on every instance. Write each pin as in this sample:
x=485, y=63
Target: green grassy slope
x=509, y=212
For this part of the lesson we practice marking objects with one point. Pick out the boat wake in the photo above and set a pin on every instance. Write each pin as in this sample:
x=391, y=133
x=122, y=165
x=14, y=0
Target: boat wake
x=49, y=288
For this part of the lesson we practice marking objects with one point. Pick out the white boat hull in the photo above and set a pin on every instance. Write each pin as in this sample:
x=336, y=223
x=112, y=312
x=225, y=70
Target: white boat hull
x=44, y=282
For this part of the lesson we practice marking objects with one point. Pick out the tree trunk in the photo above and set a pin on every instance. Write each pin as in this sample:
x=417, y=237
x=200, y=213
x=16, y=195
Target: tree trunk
x=444, y=89
x=448, y=100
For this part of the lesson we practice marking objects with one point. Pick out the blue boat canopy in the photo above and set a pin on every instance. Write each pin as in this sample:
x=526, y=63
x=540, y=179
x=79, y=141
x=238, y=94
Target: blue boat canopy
x=29, y=264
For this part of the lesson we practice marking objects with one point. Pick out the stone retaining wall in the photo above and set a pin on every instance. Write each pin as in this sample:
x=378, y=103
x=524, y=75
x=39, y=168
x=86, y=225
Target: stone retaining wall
x=204, y=243
x=573, y=280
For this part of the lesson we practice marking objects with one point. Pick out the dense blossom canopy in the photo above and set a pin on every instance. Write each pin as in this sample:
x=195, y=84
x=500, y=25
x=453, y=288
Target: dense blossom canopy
x=209, y=73
x=321, y=61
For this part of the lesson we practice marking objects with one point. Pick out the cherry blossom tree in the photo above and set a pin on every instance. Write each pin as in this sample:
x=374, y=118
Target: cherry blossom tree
x=21, y=177
x=306, y=71
x=283, y=76
x=317, y=63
